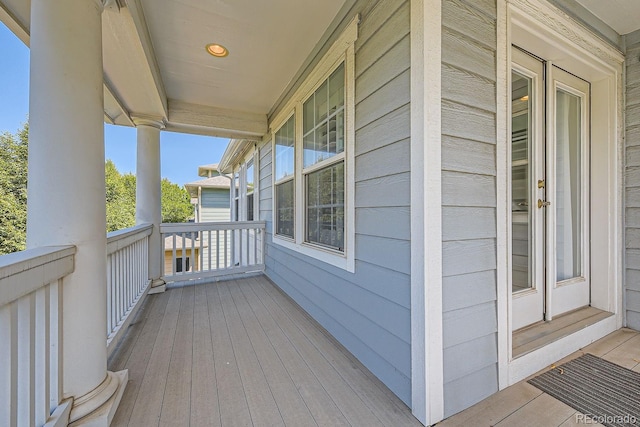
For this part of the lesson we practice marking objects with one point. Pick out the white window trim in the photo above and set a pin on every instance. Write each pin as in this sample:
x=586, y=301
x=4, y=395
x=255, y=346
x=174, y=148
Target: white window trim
x=342, y=50
x=537, y=26
x=251, y=155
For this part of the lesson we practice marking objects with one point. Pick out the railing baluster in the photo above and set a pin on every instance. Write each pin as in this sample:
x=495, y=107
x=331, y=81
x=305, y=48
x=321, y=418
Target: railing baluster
x=9, y=365
x=55, y=337
x=42, y=349
x=26, y=355
x=217, y=251
x=193, y=253
x=226, y=249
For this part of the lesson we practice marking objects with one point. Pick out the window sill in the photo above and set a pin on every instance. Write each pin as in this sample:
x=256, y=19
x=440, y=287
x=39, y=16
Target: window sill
x=343, y=261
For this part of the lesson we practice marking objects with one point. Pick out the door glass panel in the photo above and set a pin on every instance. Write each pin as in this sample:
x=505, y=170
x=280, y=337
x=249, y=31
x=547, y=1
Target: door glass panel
x=521, y=93
x=568, y=185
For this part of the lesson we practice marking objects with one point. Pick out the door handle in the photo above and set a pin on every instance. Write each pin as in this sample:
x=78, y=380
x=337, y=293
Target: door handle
x=543, y=204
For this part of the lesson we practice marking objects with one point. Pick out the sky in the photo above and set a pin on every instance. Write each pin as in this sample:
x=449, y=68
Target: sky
x=181, y=154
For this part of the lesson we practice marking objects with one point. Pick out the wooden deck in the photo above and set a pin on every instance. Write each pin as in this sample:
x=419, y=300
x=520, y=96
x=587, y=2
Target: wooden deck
x=524, y=405
x=240, y=353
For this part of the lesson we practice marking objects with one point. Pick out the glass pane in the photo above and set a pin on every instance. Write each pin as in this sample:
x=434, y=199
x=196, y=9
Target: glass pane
x=284, y=156
x=336, y=90
x=284, y=209
x=250, y=177
x=322, y=102
x=325, y=206
x=323, y=116
x=568, y=185
x=308, y=118
x=250, y=207
x=521, y=122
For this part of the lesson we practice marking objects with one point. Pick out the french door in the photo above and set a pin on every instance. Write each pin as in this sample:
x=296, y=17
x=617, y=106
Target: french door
x=549, y=190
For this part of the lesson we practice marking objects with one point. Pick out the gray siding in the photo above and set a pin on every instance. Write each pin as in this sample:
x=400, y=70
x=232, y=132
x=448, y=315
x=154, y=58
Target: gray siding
x=215, y=205
x=632, y=182
x=469, y=202
x=369, y=311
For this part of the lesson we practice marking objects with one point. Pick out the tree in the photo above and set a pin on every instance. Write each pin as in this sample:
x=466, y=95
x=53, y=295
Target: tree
x=120, y=194
x=121, y=200
x=121, y=207
x=13, y=190
x=176, y=203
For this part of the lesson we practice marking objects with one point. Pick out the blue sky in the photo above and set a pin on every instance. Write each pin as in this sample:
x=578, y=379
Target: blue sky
x=181, y=154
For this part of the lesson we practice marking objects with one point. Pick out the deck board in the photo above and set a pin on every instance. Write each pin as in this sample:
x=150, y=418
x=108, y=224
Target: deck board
x=240, y=353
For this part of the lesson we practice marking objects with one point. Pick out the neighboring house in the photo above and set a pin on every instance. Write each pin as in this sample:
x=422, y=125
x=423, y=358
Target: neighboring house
x=187, y=262
x=434, y=175
x=210, y=195
x=211, y=199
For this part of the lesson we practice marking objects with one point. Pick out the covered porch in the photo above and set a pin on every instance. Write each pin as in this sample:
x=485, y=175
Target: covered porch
x=239, y=352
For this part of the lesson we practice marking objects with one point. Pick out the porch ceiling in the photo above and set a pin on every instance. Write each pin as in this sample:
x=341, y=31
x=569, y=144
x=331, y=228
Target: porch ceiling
x=156, y=65
x=621, y=15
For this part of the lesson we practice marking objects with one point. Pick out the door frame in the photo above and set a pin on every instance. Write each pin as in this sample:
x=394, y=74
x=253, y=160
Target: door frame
x=544, y=30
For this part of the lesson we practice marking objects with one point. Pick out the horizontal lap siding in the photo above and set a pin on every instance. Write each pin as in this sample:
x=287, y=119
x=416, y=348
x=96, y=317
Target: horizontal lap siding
x=469, y=202
x=215, y=205
x=369, y=311
x=632, y=210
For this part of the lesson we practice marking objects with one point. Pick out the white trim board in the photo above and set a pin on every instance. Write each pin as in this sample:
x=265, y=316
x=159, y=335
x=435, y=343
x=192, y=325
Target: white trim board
x=427, y=374
x=341, y=51
x=544, y=30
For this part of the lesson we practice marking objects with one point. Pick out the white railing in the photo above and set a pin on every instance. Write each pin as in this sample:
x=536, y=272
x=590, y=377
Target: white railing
x=208, y=249
x=127, y=278
x=31, y=287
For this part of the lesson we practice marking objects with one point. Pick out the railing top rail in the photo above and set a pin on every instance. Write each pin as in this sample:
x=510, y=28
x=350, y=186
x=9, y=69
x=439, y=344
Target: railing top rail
x=199, y=226
x=27, y=271
x=122, y=238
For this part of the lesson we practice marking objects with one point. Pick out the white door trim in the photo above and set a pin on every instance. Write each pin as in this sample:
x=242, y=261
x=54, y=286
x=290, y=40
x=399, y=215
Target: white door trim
x=543, y=29
x=427, y=375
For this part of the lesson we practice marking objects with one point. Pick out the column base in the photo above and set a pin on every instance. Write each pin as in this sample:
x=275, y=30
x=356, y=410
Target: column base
x=97, y=408
x=158, y=286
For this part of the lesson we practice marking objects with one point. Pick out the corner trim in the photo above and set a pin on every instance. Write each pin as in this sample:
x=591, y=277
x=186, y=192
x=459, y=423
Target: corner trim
x=427, y=373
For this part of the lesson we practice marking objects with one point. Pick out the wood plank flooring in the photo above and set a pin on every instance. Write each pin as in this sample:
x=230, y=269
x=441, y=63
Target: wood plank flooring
x=240, y=353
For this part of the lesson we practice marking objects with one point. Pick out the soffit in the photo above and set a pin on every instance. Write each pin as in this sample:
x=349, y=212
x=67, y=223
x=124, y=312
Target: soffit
x=621, y=15
x=268, y=42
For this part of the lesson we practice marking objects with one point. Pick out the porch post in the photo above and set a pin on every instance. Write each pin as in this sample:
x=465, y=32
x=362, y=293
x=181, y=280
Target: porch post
x=66, y=190
x=148, y=192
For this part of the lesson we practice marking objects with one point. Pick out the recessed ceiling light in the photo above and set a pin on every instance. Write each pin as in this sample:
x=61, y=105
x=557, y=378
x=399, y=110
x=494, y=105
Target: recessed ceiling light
x=217, y=50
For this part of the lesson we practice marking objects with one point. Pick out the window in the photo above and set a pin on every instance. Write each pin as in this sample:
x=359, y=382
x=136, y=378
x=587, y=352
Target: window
x=313, y=160
x=323, y=127
x=236, y=196
x=179, y=264
x=284, y=174
x=250, y=193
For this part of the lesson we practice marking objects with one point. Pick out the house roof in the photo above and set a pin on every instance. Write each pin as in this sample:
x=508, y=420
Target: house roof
x=189, y=243
x=205, y=169
x=221, y=182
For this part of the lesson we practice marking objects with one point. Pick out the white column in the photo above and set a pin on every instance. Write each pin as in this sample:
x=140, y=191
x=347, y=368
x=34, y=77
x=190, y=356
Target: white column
x=148, y=191
x=66, y=190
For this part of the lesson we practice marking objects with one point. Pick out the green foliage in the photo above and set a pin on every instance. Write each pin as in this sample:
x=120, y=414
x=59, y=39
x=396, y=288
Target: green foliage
x=121, y=200
x=120, y=194
x=13, y=190
x=121, y=206
x=176, y=203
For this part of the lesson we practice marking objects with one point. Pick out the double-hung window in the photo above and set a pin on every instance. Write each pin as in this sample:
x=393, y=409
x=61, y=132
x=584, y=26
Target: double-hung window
x=313, y=160
x=284, y=160
x=323, y=163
